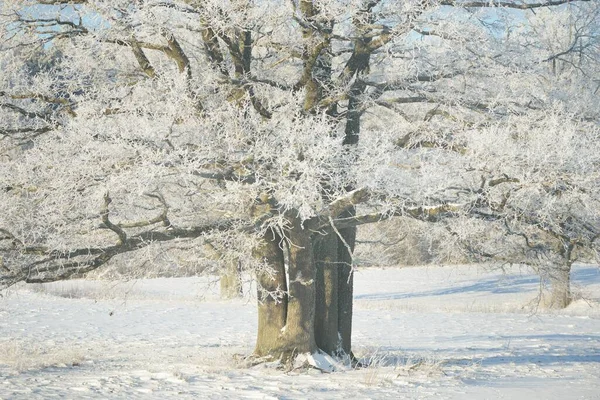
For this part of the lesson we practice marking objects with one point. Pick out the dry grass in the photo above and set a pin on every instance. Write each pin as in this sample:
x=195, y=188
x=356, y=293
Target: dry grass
x=382, y=368
x=81, y=289
x=22, y=356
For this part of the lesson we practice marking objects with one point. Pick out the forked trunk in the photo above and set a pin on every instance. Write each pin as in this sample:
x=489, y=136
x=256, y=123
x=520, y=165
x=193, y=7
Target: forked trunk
x=316, y=311
x=272, y=296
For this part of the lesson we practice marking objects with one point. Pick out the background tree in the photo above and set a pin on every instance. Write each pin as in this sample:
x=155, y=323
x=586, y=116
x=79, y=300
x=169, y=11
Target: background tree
x=286, y=125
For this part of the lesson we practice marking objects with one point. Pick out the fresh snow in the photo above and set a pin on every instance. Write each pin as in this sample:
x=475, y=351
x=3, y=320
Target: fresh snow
x=453, y=332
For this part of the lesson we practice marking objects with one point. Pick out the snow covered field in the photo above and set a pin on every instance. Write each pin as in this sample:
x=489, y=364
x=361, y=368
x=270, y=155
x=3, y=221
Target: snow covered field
x=430, y=332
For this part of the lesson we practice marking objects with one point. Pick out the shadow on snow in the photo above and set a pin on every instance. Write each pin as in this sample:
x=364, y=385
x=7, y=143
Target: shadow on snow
x=504, y=284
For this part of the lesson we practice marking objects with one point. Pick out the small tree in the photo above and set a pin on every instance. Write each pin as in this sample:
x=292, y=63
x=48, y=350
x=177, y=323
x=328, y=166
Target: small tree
x=541, y=205
x=289, y=122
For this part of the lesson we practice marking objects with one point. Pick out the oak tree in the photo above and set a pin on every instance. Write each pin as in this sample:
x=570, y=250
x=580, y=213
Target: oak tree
x=134, y=131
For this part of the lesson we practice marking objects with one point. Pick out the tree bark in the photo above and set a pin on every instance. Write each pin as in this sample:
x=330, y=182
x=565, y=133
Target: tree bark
x=560, y=287
x=272, y=296
x=346, y=285
x=333, y=319
x=326, y=317
x=231, y=282
x=299, y=331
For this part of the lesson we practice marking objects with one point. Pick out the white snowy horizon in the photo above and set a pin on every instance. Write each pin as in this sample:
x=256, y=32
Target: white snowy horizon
x=454, y=332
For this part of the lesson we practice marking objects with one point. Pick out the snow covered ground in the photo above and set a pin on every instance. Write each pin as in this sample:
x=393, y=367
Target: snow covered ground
x=431, y=333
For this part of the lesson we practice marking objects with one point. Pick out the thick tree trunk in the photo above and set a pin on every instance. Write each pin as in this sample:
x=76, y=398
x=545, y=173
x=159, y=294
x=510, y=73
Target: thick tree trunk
x=560, y=287
x=326, y=317
x=272, y=296
x=311, y=315
x=231, y=282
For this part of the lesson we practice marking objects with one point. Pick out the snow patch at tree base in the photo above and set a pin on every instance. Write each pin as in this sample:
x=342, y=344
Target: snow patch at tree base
x=319, y=360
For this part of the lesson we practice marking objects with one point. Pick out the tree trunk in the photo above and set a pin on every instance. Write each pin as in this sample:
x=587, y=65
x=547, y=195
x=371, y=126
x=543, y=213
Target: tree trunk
x=312, y=315
x=299, y=332
x=560, y=287
x=326, y=317
x=333, y=319
x=231, y=282
x=346, y=285
x=272, y=296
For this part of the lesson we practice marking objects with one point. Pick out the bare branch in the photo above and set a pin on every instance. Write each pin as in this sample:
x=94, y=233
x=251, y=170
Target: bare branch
x=33, y=131
x=175, y=52
x=160, y=218
x=338, y=206
x=141, y=58
x=422, y=213
x=521, y=5
x=405, y=83
x=68, y=105
x=63, y=265
x=26, y=113
x=228, y=175
x=57, y=2
x=104, y=214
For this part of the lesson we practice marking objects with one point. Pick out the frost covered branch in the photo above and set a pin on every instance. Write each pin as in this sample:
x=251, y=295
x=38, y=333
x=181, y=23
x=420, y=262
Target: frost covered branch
x=283, y=116
x=520, y=5
x=59, y=265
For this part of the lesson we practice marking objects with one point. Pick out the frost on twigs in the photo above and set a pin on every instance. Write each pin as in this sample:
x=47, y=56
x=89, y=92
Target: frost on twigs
x=144, y=128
